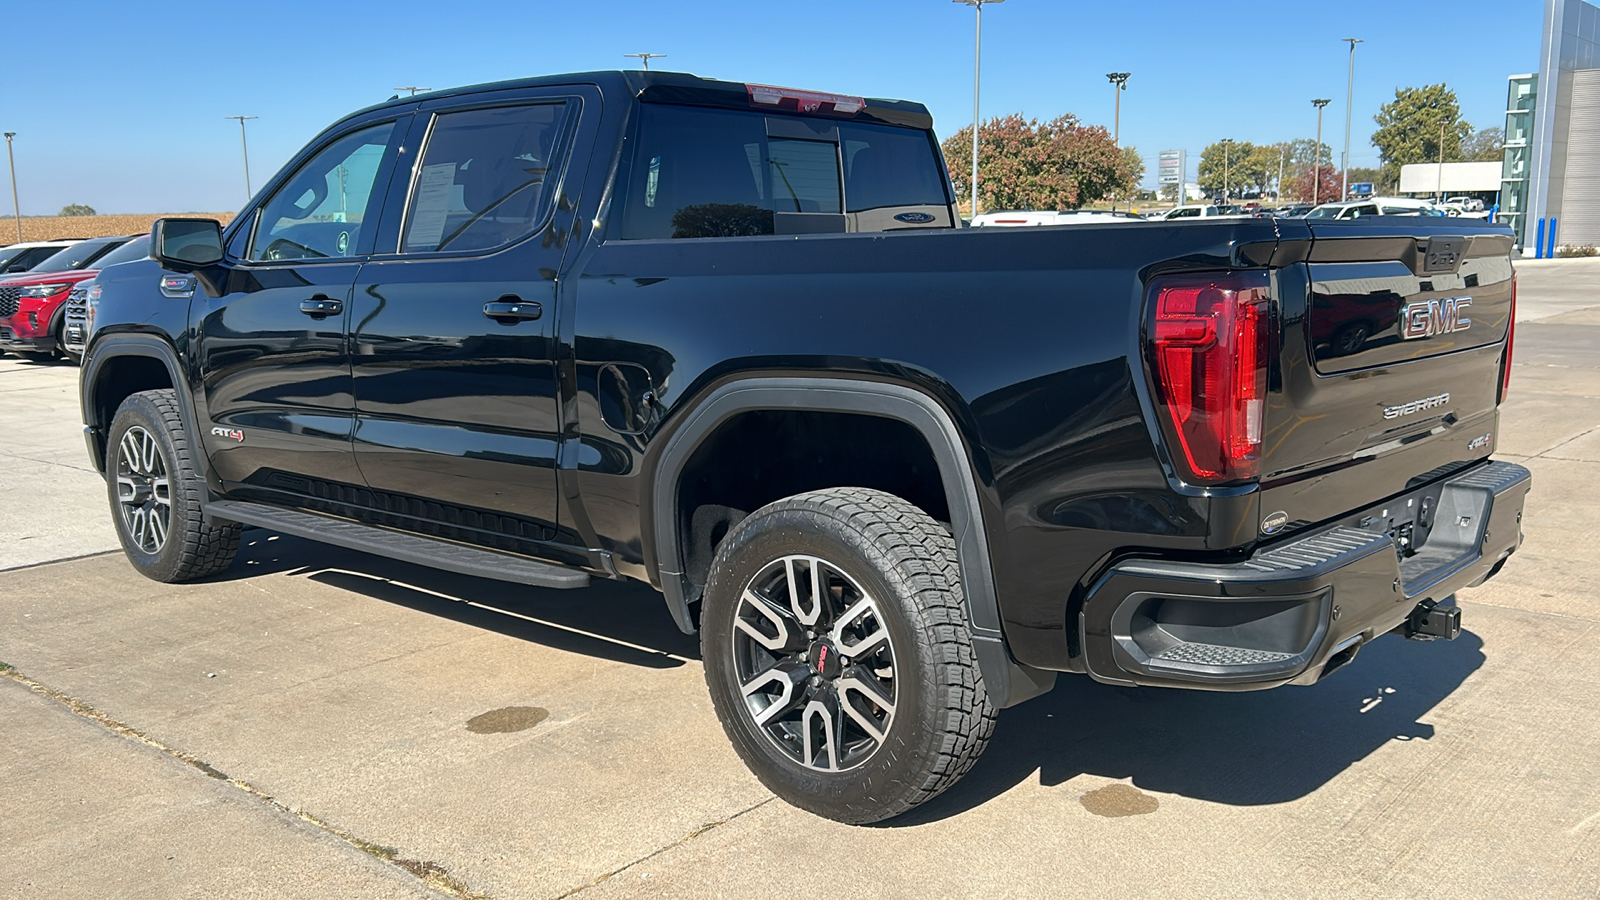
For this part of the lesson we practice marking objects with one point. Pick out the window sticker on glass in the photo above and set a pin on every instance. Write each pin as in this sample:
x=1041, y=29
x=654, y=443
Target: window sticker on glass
x=435, y=190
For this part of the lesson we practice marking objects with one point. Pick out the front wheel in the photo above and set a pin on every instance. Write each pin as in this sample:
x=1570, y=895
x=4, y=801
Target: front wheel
x=839, y=655
x=155, y=492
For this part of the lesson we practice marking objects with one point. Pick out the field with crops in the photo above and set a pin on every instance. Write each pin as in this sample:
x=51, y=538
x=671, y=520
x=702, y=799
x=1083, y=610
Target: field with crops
x=45, y=228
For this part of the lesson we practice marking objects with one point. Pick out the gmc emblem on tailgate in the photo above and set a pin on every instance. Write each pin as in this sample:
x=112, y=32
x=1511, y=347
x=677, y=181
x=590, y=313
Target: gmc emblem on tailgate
x=1430, y=317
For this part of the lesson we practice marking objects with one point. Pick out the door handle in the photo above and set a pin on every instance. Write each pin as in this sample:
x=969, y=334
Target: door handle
x=321, y=306
x=510, y=310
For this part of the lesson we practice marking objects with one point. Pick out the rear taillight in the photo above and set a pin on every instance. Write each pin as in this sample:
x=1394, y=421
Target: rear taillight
x=1209, y=347
x=1511, y=339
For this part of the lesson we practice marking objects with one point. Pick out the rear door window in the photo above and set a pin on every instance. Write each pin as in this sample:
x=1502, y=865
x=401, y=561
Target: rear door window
x=485, y=178
x=728, y=173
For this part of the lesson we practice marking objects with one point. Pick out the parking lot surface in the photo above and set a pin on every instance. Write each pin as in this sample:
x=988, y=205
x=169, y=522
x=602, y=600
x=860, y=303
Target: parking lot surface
x=321, y=723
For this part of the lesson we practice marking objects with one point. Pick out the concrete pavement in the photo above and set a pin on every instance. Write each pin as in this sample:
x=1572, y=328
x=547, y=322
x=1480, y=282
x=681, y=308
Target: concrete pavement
x=303, y=726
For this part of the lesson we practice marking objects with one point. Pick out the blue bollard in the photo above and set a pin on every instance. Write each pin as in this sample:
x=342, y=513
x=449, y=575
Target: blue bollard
x=1552, y=253
x=1538, y=242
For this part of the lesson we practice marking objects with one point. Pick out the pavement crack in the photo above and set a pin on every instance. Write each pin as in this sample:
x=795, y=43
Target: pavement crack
x=606, y=876
x=1544, y=454
x=429, y=872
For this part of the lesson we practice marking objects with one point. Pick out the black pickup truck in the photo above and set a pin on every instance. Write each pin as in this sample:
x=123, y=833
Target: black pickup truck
x=732, y=341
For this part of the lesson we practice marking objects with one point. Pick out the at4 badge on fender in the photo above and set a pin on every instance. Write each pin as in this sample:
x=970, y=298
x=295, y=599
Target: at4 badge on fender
x=232, y=434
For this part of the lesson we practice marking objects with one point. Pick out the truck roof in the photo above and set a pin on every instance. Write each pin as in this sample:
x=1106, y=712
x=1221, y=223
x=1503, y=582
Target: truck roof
x=680, y=87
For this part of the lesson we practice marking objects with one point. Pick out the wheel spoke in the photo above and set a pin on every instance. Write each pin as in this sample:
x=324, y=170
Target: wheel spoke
x=827, y=755
x=753, y=601
x=806, y=617
x=161, y=491
x=866, y=644
x=130, y=451
x=789, y=677
x=158, y=528
x=149, y=451
x=869, y=689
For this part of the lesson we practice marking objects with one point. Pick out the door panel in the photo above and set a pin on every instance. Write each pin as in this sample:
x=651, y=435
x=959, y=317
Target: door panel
x=456, y=420
x=272, y=348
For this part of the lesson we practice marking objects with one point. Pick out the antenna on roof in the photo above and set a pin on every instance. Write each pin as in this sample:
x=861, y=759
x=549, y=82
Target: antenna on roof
x=644, y=58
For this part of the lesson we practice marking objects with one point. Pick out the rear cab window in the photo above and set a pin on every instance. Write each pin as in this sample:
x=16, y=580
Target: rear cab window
x=485, y=178
x=701, y=172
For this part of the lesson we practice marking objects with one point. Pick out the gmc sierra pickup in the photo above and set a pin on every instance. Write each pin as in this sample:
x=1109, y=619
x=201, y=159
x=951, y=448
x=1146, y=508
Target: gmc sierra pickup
x=731, y=341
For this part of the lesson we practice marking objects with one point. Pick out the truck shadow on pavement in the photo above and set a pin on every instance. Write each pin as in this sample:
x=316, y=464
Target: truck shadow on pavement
x=618, y=621
x=1242, y=749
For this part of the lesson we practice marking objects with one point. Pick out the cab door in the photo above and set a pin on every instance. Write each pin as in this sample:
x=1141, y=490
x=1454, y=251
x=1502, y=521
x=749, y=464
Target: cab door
x=453, y=328
x=274, y=368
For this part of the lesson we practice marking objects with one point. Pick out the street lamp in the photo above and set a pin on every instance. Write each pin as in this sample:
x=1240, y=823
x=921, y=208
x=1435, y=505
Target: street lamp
x=1227, y=145
x=1349, y=100
x=1119, y=83
x=977, y=69
x=644, y=58
x=413, y=89
x=246, y=147
x=1443, y=121
x=16, y=211
x=1316, y=156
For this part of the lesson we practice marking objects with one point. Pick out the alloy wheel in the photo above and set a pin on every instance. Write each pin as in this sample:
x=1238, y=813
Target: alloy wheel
x=144, y=491
x=815, y=663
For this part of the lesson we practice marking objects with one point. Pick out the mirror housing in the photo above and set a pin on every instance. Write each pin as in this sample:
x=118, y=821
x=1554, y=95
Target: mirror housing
x=184, y=245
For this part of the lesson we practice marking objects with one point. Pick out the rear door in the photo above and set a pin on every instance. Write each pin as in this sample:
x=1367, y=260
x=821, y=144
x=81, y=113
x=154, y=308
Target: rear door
x=453, y=324
x=1392, y=340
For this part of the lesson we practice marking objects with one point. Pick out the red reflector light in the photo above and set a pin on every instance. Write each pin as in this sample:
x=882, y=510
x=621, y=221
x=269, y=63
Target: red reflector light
x=1511, y=340
x=1208, y=339
x=804, y=101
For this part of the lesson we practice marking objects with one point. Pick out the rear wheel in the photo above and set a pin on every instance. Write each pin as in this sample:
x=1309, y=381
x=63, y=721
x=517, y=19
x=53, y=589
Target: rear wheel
x=839, y=656
x=155, y=492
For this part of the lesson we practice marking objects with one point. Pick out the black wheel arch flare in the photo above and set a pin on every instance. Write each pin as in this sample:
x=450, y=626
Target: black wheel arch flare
x=1007, y=681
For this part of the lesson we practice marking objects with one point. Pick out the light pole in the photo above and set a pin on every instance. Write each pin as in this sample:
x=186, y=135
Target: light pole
x=245, y=146
x=977, y=69
x=16, y=211
x=644, y=58
x=1282, y=151
x=1443, y=121
x=413, y=89
x=1349, y=99
x=1227, y=145
x=1316, y=156
x=1119, y=83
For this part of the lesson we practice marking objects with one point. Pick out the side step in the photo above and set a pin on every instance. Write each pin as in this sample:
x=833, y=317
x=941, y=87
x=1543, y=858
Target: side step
x=411, y=548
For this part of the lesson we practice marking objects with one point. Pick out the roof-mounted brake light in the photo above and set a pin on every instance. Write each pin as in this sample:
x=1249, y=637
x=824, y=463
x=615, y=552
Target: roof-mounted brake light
x=804, y=101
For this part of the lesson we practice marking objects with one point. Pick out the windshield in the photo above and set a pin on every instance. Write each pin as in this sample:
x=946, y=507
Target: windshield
x=138, y=248
x=1324, y=212
x=80, y=255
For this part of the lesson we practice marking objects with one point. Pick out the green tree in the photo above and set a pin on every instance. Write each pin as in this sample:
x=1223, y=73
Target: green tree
x=1025, y=164
x=76, y=209
x=1408, y=128
x=1227, y=161
x=1485, y=145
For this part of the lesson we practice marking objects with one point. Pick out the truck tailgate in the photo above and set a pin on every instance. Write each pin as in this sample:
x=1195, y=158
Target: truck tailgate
x=1392, y=338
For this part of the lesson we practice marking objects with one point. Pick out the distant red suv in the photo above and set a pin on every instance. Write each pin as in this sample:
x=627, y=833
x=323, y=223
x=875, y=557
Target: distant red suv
x=33, y=305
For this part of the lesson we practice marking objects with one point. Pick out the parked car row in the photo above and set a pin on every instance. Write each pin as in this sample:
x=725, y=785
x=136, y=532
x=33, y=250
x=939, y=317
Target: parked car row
x=37, y=281
x=1349, y=209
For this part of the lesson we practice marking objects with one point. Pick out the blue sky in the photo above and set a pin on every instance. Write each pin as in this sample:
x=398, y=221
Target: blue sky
x=122, y=107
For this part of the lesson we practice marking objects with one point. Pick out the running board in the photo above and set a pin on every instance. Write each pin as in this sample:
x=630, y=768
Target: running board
x=412, y=548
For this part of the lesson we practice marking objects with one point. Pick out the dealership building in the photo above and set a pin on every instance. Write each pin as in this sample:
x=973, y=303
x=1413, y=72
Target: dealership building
x=1550, y=177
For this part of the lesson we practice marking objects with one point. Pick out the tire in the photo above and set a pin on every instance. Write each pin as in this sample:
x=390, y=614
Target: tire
x=35, y=355
x=855, y=740
x=149, y=455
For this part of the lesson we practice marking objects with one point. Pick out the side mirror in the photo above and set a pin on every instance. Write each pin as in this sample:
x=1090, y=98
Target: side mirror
x=184, y=245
